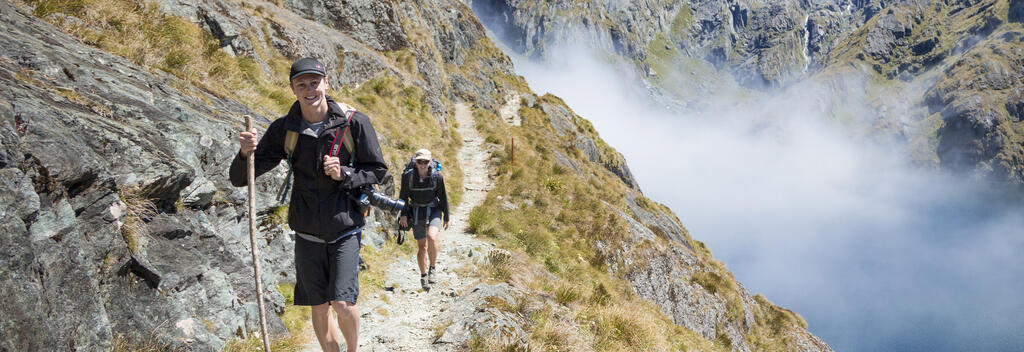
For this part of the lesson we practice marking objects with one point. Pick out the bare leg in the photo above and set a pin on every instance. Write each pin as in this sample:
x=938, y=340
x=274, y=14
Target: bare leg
x=421, y=255
x=325, y=328
x=432, y=233
x=348, y=320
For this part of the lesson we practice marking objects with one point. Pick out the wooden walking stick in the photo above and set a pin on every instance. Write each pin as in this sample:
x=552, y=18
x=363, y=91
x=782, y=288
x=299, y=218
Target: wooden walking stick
x=252, y=238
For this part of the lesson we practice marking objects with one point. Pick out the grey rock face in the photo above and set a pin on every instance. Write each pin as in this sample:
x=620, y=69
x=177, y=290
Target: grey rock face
x=83, y=133
x=473, y=314
x=890, y=31
x=977, y=135
x=564, y=124
x=1015, y=105
x=559, y=117
x=374, y=23
x=665, y=225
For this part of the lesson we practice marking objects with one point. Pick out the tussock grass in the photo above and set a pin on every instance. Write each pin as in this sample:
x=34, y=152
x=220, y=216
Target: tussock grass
x=122, y=343
x=621, y=328
x=568, y=293
x=138, y=209
x=499, y=264
x=771, y=322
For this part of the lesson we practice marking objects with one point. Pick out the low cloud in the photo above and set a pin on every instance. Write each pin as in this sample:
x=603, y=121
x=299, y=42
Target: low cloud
x=876, y=254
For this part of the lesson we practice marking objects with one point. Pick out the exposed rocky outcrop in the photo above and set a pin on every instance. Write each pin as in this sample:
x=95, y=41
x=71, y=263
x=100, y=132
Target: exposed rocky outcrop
x=696, y=295
x=889, y=32
x=88, y=140
x=980, y=104
x=474, y=314
x=373, y=23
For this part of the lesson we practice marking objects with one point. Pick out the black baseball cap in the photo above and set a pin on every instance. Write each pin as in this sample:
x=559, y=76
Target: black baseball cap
x=306, y=65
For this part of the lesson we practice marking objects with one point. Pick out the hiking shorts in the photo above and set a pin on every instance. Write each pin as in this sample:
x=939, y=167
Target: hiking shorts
x=419, y=231
x=326, y=272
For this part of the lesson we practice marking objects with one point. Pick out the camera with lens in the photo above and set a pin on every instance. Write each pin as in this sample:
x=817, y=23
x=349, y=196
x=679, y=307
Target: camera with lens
x=367, y=197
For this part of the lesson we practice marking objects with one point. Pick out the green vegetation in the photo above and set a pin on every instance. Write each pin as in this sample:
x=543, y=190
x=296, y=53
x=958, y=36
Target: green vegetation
x=681, y=23
x=683, y=75
x=772, y=320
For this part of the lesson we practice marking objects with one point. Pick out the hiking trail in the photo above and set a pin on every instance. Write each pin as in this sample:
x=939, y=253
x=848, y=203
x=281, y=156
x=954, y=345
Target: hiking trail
x=408, y=318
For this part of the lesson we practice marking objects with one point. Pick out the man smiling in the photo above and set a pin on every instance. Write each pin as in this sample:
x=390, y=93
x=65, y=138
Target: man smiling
x=332, y=153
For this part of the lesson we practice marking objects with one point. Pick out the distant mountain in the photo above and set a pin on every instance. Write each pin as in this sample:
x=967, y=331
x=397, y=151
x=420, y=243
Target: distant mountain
x=943, y=77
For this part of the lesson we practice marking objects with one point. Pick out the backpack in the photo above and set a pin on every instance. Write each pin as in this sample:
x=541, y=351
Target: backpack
x=292, y=137
x=434, y=170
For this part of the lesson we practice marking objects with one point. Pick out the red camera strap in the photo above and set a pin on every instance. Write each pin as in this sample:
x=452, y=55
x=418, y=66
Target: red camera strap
x=335, y=147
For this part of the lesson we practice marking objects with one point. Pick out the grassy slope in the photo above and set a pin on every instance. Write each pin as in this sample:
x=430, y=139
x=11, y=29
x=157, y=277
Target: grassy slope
x=560, y=214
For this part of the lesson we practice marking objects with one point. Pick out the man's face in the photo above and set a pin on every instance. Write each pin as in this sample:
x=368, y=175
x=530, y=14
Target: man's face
x=421, y=165
x=310, y=89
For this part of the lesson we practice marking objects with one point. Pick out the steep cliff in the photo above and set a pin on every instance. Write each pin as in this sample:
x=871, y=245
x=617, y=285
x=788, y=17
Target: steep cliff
x=119, y=122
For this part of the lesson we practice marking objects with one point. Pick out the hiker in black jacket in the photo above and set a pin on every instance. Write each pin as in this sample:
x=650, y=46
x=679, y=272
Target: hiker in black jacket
x=426, y=203
x=322, y=212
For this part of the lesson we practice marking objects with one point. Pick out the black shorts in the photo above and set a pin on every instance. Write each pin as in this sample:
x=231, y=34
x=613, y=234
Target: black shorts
x=419, y=231
x=326, y=271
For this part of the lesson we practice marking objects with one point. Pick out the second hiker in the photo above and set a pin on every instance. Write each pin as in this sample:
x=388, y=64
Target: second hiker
x=426, y=205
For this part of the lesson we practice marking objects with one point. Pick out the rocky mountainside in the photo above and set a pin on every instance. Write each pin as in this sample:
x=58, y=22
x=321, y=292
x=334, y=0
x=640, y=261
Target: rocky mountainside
x=122, y=231
x=944, y=77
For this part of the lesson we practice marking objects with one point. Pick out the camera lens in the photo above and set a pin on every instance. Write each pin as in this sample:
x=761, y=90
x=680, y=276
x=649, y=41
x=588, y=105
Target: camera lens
x=386, y=203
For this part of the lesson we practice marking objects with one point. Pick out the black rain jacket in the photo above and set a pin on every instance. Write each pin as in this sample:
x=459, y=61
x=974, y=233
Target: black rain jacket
x=320, y=206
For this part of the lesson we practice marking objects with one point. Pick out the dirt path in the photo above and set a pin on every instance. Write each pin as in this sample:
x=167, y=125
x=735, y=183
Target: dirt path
x=408, y=318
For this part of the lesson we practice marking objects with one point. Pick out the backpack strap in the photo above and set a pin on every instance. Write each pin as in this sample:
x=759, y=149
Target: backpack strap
x=346, y=140
x=290, y=139
x=350, y=144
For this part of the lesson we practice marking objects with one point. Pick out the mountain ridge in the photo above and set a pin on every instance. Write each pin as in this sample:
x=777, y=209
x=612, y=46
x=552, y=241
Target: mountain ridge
x=956, y=64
